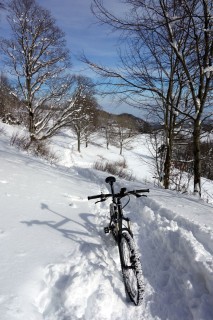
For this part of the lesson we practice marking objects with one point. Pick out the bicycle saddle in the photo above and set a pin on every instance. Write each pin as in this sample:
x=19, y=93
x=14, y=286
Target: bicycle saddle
x=110, y=179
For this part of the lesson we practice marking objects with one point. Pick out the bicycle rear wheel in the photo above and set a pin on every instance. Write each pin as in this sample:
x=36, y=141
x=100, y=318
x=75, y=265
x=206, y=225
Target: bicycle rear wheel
x=131, y=268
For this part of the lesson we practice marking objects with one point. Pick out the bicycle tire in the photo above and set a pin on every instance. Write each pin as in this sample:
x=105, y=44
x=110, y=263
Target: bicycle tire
x=131, y=268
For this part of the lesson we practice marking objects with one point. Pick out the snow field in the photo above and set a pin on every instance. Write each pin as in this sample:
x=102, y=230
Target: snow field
x=57, y=263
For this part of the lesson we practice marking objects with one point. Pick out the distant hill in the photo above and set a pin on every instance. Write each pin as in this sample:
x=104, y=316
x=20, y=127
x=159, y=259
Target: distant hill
x=140, y=124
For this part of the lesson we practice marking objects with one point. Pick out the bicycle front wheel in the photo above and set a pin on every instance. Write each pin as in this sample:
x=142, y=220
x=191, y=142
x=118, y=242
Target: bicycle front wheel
x=131, y=268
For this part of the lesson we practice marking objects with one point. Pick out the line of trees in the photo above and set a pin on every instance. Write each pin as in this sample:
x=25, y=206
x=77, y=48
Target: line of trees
x=84, y=119
x=119, y=130
x=166, y=66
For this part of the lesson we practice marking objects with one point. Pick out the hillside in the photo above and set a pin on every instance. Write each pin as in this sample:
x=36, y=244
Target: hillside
x=56, y=262
x=140, y=124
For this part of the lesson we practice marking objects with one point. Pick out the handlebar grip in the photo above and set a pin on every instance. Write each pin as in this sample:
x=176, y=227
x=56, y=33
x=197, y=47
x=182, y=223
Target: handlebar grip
x=142, y=190
x=94, y=197
x=102, y=196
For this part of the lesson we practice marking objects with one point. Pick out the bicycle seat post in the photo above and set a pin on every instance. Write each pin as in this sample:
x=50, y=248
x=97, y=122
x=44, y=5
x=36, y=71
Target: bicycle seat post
x=111, y=180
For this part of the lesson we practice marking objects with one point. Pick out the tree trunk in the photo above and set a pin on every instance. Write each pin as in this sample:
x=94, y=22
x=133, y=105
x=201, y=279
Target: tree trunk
x=197, y=160
x=86, y=142
x=121, y=148
x=167, y=167
x=107, y=139
x=79, y=142
x=169, y=148
x=31, y=126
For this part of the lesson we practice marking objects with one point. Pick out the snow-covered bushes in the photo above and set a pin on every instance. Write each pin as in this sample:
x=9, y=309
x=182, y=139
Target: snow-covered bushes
x=117, y=168
x=20, y=140
x=10, y=119
x=37, y=148
x=41, y=149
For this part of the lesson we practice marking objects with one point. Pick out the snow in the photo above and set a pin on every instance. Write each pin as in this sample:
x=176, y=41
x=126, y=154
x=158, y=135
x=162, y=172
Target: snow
x=208, y=69
x=56, y=262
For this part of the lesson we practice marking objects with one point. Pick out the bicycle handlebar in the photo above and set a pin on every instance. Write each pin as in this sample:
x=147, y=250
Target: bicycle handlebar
x=140, y=190
x=100, y=196
x=118, y=195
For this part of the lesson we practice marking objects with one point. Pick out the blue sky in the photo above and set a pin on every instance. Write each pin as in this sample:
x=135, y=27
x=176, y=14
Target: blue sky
x=84, y=34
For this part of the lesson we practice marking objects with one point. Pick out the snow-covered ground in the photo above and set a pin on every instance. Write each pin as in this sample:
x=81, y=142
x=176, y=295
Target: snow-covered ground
x=56, y=262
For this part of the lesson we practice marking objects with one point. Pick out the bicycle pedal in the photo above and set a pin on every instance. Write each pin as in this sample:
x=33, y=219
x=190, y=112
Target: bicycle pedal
x=106, y=229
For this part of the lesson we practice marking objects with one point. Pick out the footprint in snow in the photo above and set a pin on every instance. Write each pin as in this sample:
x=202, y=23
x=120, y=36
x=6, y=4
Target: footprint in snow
x=73, y=205
x=2, y=233
x=74, y=198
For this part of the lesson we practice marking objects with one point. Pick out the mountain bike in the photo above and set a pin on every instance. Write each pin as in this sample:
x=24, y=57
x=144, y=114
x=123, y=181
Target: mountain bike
x=119, y=226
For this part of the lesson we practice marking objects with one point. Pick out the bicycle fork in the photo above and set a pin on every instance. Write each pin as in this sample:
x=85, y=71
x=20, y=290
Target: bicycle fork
x=113, y=225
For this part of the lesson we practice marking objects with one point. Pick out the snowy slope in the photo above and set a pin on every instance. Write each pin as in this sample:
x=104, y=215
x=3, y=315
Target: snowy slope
x=56, y=262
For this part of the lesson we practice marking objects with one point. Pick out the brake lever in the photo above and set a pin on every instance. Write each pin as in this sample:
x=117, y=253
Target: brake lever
x=140, y=195
x=104, y=199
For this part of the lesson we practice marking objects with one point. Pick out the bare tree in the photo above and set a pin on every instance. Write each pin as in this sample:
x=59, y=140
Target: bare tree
x=105, y=126
x=147, y=76
x=123, y=132
x=83, y=119
x=37, y=56
x=156, y=30
x=194, y=52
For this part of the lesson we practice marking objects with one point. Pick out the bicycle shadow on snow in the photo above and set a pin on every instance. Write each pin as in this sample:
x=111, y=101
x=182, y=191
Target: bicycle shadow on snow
x=91, y=259
x=59, y=226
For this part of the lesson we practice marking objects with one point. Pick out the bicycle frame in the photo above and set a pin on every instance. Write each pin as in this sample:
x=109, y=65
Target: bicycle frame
x=117, y=217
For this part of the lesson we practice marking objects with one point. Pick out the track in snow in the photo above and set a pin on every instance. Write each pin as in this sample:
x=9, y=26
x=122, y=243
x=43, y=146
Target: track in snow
x=177, y=264
x=88, y=284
